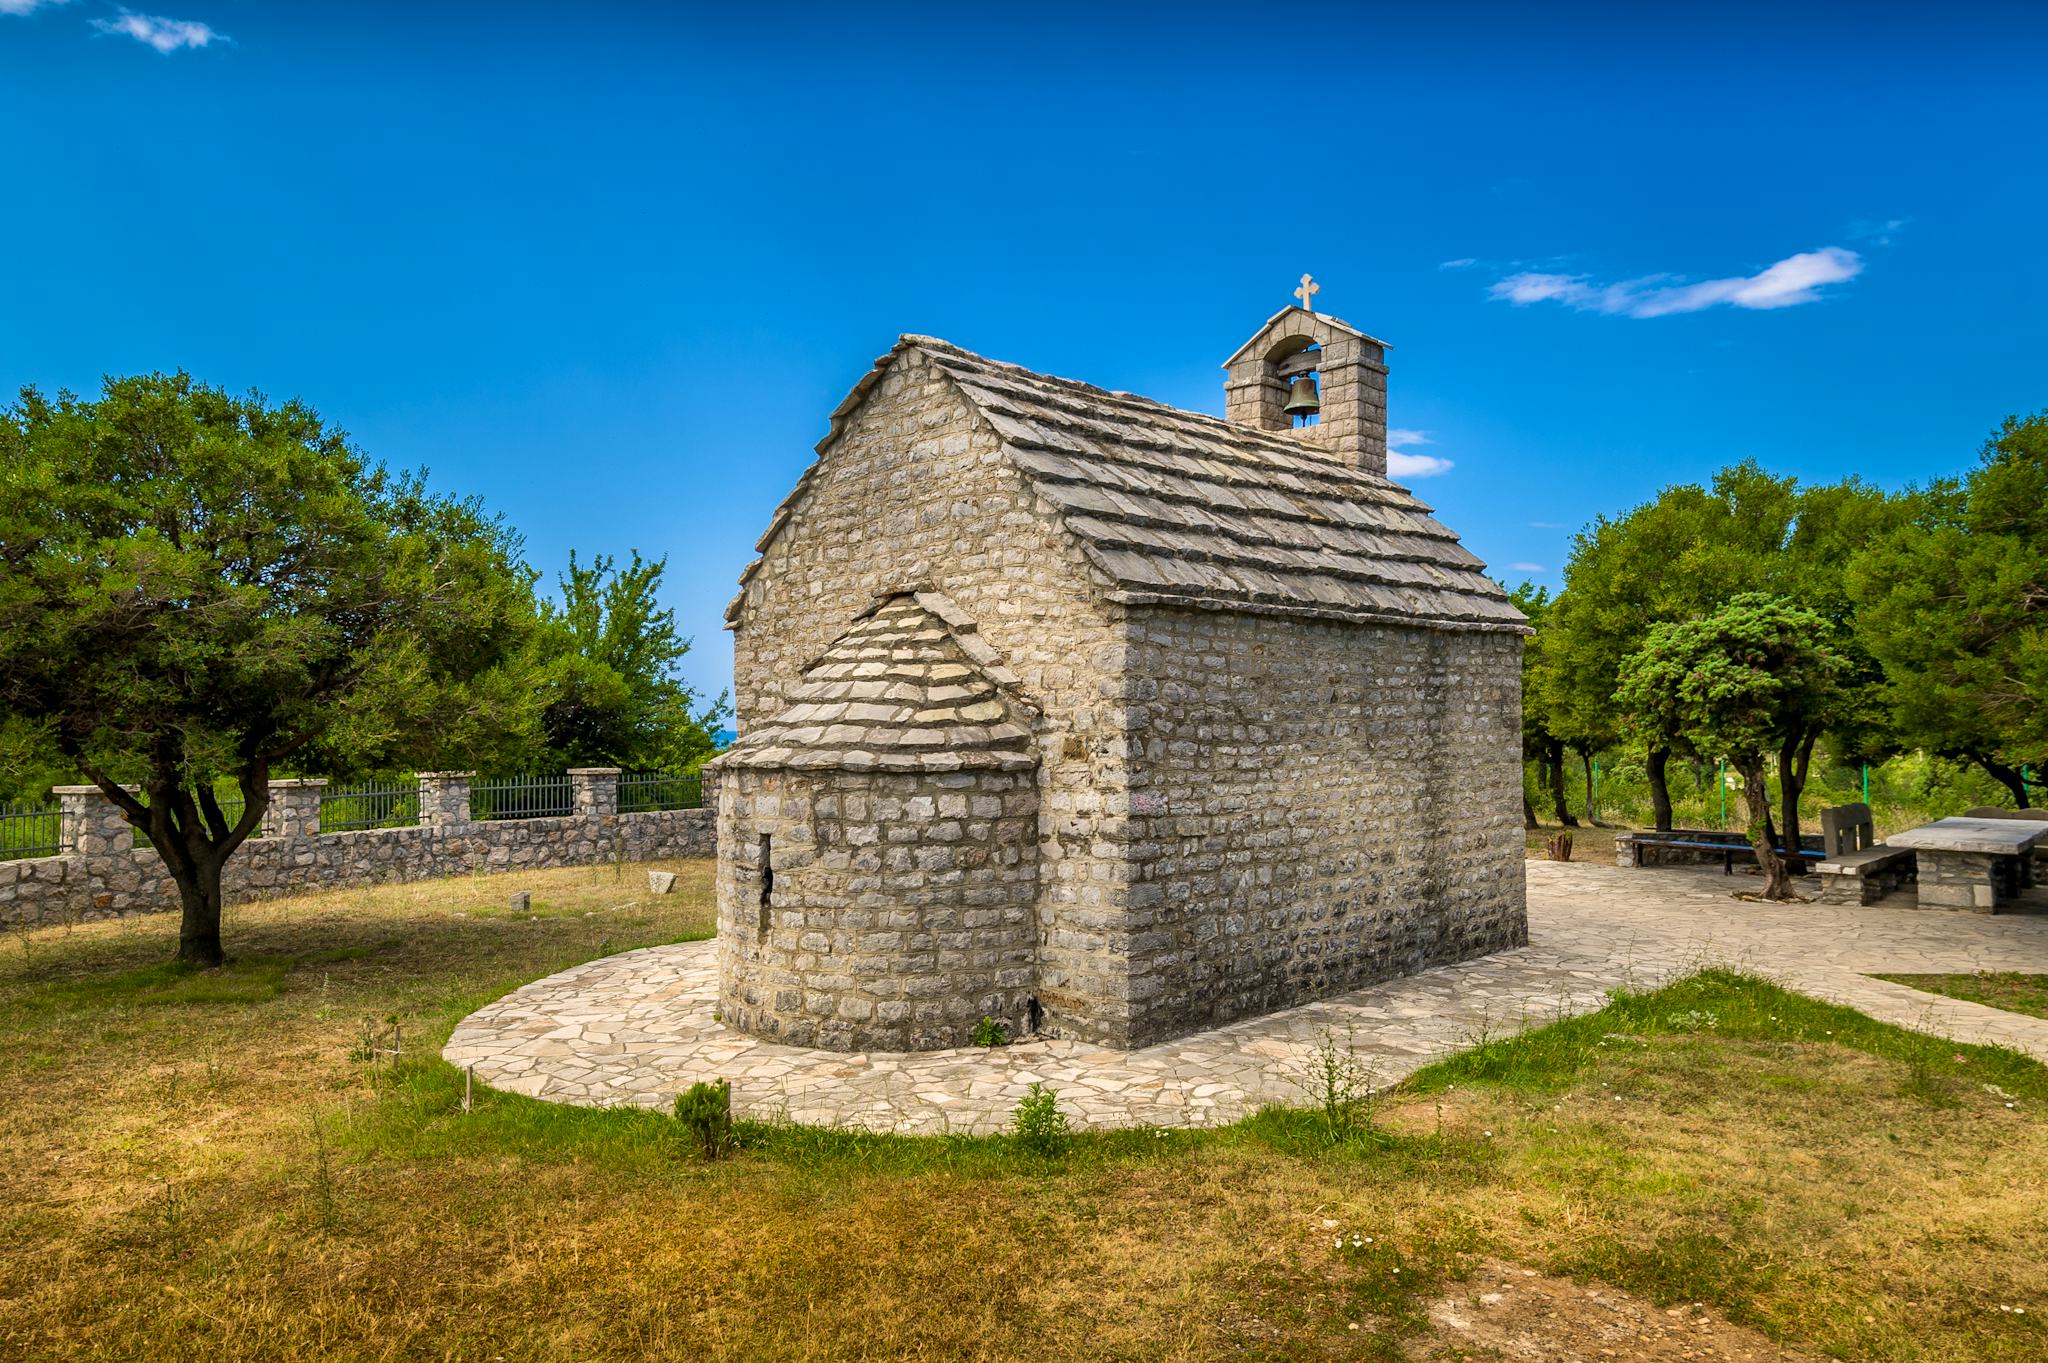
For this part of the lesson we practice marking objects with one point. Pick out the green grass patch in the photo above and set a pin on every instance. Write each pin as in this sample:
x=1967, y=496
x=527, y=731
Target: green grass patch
x=2010, y=990
x=244, y=980
x=209, y=1164
x=1722, y=1006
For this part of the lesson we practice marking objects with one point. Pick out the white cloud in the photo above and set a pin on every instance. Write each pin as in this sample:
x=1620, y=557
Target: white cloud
x=1461, y=263
x=165, y=35
x=1546, y=525
x=1525, y=567
x=1877, y=233
x=1401, y=464
x=26, y=6
x=1792, y=281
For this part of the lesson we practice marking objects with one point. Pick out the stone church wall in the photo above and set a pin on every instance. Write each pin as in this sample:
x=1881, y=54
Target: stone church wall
x=1320, y=807
x=917, y=490
x=900, y=912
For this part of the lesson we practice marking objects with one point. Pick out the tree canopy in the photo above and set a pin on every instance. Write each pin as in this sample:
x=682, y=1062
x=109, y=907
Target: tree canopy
x=1736, y=683
x=1953, y=607
x=611, y=693
x=1681, y=556
x=201, y=587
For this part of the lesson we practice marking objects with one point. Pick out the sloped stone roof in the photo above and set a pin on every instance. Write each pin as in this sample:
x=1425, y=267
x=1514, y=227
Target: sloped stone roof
x=910, y=687
x=1186, y=509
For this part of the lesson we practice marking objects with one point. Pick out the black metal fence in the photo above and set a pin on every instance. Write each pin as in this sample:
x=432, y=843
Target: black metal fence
x=30, y=831
x=371, y=804
x=37, y=830
x=643, y=791
x=231, y=807
x=521, y=797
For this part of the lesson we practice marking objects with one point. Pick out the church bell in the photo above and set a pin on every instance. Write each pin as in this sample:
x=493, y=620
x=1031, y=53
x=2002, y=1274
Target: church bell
x=1301, y=397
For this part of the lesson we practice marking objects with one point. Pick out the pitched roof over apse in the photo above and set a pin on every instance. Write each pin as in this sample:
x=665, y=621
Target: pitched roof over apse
x=1180, y=508
x=910, y=687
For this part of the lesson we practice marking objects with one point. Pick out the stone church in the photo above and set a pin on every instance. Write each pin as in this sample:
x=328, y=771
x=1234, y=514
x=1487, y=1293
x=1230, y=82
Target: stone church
x=1107, y=720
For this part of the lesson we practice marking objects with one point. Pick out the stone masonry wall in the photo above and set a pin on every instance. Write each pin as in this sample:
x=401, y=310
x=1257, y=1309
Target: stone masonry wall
x=900, y=911
x=1319, y=807
x=916, y=490
x=105, y=876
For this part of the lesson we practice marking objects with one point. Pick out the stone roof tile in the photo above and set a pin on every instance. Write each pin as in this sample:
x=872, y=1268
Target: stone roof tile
x=927, y=695
x=1178, y=507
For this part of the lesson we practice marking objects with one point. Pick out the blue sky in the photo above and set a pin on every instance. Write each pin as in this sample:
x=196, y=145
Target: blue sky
x=610, y=266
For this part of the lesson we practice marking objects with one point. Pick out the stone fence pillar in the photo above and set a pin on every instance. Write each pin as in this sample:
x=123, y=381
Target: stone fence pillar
x=594, y=791
x=444, y=797
x=294, y=808
x=93, y=825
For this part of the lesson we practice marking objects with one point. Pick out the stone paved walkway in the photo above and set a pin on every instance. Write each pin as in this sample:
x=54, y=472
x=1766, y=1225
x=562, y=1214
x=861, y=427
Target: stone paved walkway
x=637, y=1028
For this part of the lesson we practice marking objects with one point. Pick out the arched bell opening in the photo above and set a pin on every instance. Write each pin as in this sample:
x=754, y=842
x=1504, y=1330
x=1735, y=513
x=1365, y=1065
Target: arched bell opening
x=1294, y=363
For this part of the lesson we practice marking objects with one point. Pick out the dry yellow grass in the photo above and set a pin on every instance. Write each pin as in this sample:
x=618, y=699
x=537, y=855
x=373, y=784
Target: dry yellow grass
x=197, y=1167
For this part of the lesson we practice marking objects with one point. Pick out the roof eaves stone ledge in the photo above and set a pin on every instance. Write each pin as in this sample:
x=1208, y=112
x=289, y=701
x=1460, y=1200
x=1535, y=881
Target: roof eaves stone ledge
x=1236, y=606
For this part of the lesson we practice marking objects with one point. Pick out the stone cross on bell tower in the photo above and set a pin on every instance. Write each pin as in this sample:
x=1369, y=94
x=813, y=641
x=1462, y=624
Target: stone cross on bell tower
x=1350, y=369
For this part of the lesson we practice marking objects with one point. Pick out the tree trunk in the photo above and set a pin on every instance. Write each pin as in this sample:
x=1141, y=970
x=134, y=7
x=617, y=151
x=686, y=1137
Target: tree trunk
x=1586, y=766
x=199, y=931
x=194, y=840
x=1794, y=760
x=2009, y=777
x=1554, y=770
x=1660, y=792
x=1528, y=813
x=1757, y=796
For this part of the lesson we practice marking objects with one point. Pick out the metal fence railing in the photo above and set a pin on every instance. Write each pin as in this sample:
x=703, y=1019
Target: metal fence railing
x=30, y=831
x=370, y=804
x=521, y=797
x=643, y=791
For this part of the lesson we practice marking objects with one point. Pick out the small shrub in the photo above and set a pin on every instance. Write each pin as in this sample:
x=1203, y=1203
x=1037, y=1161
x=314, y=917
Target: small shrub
x=989, y=1032
x=1339, y=1084
x=1560, y=848
x=705, y=1112
x=1040, y=1127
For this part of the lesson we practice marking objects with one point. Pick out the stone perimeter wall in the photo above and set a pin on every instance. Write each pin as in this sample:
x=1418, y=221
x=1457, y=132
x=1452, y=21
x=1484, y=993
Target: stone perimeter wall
x=104, y=876
x=900, y=913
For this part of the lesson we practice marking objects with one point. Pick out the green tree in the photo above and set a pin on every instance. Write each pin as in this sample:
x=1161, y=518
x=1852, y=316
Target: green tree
x=611, y=693
x=1954, y=606
x=1681, y=556
x=1540, y=746
x=1734, y=684
x=200, y=588
x=1673, y=558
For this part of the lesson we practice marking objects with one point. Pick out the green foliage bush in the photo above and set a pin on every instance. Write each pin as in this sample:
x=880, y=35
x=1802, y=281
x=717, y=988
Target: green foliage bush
x=705, y=1113
x=1038, y=1125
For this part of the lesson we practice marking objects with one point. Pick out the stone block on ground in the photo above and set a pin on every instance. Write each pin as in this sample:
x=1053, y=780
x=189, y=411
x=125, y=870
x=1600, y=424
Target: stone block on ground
x=661, y=882
x=521, y=901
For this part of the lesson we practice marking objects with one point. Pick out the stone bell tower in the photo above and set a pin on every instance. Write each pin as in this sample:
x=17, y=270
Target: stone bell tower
x=1341, y=409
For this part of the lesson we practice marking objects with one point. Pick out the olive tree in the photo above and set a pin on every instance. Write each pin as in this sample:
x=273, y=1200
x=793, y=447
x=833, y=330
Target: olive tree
x=196, y=588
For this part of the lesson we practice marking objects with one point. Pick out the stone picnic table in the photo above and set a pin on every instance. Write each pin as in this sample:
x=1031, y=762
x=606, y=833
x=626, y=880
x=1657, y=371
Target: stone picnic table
x=1972, y=863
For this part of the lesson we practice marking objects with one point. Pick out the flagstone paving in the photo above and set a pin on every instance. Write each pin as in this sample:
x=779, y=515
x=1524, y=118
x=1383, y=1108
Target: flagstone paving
x=637, y=1028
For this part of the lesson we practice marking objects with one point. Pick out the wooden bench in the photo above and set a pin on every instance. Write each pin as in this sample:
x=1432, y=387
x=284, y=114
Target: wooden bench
x=1631, y=846
x=1855, y=868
